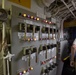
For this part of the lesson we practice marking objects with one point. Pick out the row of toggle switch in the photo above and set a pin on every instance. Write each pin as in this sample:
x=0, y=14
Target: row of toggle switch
x=33, y=33
x=32, y=52
x=49, y=46
x=48, y=68
x=26, y=50
x=37, y=28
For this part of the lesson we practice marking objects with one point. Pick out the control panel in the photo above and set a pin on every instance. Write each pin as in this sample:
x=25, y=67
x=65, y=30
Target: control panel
x=33, y=43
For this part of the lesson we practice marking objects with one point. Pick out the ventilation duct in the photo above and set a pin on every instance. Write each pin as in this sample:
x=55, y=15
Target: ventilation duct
x=46, y=3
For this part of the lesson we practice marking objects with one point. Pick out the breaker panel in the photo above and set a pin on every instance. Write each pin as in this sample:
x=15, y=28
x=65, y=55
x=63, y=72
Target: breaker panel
x=33, y=43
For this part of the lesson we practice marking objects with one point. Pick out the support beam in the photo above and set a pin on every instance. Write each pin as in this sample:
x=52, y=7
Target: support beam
x=73, y=3
x=68, y=8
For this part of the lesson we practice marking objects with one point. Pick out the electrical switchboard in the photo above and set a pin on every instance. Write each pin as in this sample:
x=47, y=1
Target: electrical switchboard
x=33, y=43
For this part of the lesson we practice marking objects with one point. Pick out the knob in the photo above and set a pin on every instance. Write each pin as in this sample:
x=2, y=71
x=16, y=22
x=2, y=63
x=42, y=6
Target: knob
x=48, y=47
x=53, y=65
x=27, y=51
x=57, y=30
x=56, y=64
x=46, y=30
x=43, y=29
x=50, y=68
x=37, y=28
x=29, y=28
x=54, y=31
x=44, y=47
x=50, y=30
x=51, y=45
x=34, y=50
x=54, y=45
x=46, y=70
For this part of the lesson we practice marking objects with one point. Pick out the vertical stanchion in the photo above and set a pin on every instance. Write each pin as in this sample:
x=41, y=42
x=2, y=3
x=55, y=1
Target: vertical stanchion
x=3, y=38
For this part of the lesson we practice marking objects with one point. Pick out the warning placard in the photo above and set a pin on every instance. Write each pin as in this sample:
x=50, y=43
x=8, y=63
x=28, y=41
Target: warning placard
x=25, y=3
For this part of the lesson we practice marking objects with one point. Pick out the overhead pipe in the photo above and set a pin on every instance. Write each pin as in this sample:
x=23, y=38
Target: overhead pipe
x=47, y=2
x=56, y=13
x=68, y=8
x=65, y=13
x=44, y=3
x=59, y=11
x=62, y=13
x=73, y=4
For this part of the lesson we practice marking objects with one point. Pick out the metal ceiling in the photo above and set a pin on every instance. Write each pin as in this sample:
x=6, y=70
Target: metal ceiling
x=62, y=9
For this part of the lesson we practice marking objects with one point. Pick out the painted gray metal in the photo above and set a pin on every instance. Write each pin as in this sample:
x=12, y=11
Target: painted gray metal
x=17, y=63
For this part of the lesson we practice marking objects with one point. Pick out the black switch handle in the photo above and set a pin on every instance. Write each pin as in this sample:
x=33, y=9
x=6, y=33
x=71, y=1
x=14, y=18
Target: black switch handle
x=46, y=71
x=37, y=28
x=48, y=47
x=44, y=47
x=34, y=50
x=27, y=51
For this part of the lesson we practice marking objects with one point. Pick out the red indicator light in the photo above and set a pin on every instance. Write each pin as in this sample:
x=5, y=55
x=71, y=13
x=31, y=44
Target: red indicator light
x=50, y=22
